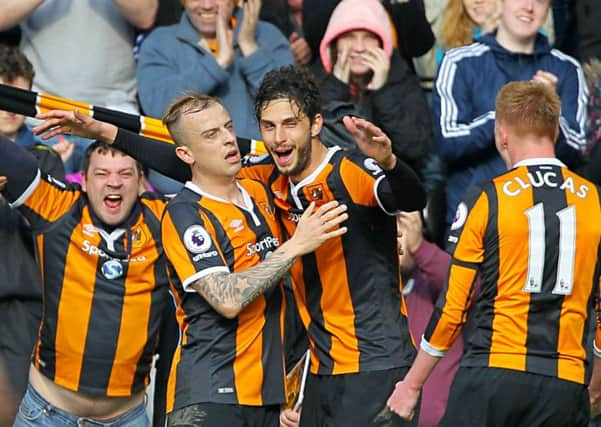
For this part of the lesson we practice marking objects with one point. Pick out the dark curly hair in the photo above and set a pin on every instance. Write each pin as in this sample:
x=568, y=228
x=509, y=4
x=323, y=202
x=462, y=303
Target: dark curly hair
x=291, y=82
x=13, y=64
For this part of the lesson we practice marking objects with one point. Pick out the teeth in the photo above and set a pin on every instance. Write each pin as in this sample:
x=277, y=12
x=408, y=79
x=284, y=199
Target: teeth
x=113, y=197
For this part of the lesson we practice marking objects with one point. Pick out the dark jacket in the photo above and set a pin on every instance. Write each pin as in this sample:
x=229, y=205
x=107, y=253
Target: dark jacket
x=399, y=108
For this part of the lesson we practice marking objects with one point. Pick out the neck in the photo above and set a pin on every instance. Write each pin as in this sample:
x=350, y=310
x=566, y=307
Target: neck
x=318, y=154
x=531, y=150
x=515, y=45
x=222, y=187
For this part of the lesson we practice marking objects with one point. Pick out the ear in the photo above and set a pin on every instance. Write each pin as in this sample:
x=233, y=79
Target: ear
x=316, y=125
x=84, y=183
x=185, y=154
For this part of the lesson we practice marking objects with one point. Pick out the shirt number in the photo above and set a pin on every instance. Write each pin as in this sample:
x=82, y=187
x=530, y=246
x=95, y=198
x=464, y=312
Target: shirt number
x=536, y=251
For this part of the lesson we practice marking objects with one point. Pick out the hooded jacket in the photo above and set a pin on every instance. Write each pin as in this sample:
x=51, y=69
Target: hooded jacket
x=351, y=15
x=399, y=107
x=464, y=95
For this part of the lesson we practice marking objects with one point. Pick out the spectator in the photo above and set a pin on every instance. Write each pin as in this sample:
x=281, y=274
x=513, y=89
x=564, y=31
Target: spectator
x=367, y=75
x=463, y=99
x=465, y=20
x=105, y=288
x=532, y=234
x=424, y=267
x=414, y=36
x=217, y=50
x=81, y=50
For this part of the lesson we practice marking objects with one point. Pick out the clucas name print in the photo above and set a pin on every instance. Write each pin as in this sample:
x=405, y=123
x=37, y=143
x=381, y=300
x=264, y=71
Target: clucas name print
x=540, y=178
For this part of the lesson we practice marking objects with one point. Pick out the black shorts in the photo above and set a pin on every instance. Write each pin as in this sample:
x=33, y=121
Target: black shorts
x=495, y=397
x=221, y=415
x=352, y=400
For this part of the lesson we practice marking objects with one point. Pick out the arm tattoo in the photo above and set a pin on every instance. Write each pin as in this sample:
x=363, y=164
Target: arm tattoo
x=241, y=288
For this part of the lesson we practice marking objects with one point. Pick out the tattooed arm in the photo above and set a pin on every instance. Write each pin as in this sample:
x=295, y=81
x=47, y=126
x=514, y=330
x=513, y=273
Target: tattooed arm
x=230, y=293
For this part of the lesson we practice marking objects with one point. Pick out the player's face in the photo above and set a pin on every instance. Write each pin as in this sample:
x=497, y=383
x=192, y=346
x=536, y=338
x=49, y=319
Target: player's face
x=211, y=141
x=203, y=14
x=357, y=42
x=111, y=182
x=288, y=135
x=522, y=19
x=11, y=122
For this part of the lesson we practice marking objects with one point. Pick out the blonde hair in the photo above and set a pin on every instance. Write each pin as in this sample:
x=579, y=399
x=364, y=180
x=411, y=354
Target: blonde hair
x=188, y=103
x=457, y=27
x=529, y=108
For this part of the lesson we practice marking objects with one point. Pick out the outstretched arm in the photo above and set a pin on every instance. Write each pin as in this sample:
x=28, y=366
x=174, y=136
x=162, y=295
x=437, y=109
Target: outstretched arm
x=159, y=156
x=229, y=293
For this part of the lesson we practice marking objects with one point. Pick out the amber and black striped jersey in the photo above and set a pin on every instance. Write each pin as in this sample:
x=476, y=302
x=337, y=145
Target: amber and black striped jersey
x=347, y=291
x=220, y=360
x=104, y=289
x=534, y=235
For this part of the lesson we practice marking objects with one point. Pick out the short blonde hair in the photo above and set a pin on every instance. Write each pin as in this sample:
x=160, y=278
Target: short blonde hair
x=529, y=108
x=188, y=103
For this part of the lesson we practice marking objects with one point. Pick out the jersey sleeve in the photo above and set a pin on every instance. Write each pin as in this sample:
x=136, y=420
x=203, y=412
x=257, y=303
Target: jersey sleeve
x=191, y=244
x=396, y=190
x=466, y=241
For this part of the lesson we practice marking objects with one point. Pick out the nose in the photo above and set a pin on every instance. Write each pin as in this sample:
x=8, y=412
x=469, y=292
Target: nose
x=114, y=180
x=529, y=4
x=280, y=134
x=229, y=136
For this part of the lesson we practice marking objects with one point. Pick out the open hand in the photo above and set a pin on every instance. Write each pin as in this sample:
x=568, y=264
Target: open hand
x=318, y=225
x=225, y=43
x=377, y=60
x=371, y=140
x=300, y=49
x=247, y=37
x=59, y=122
x=342, y=66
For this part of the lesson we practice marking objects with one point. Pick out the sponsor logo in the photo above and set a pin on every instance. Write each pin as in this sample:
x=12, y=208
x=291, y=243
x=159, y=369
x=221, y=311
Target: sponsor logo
x=266, y=244
x=196, y=239
x=237, y=225
x=204, y=255
x=112, y=269
x=372, y=166
x=460, y=216
x=93, y=250
x=225, y=390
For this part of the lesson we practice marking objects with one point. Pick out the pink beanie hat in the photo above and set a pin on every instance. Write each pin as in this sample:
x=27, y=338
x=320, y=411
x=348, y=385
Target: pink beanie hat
x=351, y=15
